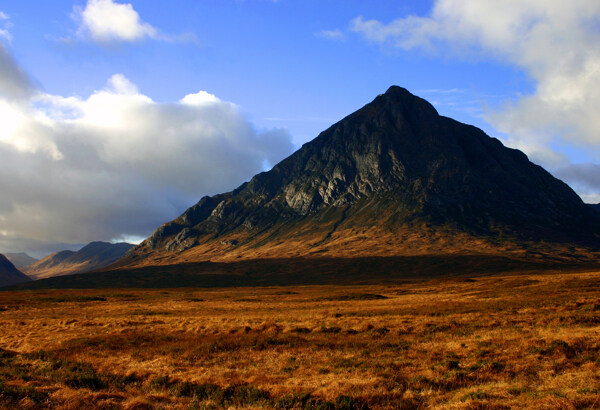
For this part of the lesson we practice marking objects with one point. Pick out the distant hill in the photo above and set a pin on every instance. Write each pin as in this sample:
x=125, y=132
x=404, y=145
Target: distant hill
x=93, y=256
x=9, y=275
x=595, y=206
x=20, y=260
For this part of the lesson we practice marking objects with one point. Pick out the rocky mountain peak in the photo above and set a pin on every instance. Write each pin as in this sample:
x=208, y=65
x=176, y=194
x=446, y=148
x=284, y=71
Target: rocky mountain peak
x=392, y=164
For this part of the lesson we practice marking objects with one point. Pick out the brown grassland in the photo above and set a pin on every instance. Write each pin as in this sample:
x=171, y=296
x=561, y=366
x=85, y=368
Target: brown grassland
x=504, y=341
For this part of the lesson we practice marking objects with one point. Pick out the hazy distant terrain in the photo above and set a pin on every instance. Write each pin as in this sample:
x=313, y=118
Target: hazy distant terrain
x=20, y=260
x=95, y=255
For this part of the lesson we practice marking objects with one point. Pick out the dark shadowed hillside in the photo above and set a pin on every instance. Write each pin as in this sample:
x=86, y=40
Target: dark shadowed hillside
x=9, y=275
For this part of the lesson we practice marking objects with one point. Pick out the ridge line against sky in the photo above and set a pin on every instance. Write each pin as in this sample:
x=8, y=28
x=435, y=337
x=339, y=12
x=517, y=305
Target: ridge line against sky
x=118, y=115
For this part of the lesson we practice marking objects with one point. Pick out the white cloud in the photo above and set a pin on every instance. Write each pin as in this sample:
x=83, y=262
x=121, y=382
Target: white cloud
x=199, y=99
x=553, y=41
x=336, y=35
x=116, y=164
x=106, y=21
x=6, y=24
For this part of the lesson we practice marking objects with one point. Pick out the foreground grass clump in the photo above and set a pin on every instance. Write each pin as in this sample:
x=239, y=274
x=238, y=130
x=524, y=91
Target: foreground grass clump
x=482, y=342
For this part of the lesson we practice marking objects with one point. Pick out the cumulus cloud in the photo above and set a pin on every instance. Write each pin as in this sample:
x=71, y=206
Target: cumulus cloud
x=553, y=41
x=105, y=21
x=116, y=164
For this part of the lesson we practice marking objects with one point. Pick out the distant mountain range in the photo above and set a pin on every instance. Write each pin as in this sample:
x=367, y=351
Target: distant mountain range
x=93, y=256
x=9, y=274
x=20, y=260
x=393, y=178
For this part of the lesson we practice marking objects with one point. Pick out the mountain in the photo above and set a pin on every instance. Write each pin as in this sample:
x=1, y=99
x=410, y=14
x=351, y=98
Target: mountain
x=595, y=206
x=394, y=178
x=20, y=260
x=93, y=256
x=9, y=275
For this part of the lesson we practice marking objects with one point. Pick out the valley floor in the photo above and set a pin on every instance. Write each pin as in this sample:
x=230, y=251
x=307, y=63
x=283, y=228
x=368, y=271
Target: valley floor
x=510, y=341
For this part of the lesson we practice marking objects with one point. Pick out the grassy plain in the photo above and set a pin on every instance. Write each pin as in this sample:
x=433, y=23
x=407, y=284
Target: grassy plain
x=504, y=341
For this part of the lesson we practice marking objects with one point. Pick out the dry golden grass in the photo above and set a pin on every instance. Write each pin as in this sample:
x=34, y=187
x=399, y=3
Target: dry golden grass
x=509, y=341
x=342, y=243
x=58, y=270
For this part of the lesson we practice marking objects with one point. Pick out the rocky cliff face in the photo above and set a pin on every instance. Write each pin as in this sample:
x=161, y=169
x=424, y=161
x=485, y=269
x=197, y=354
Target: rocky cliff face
x=9, y=275
x=396, y=169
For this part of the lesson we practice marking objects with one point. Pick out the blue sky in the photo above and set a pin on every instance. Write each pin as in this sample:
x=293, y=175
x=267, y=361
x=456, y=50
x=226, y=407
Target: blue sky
x=95, y=93
x=268, y=57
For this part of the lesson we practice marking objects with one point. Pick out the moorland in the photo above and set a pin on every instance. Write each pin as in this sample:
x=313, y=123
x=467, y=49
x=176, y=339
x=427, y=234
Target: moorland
x=499, y=341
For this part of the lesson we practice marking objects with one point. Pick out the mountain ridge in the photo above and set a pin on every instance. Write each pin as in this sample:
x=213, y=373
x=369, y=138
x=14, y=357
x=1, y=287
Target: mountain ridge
x=392, y=178
x=20, y=259
x=94, y=255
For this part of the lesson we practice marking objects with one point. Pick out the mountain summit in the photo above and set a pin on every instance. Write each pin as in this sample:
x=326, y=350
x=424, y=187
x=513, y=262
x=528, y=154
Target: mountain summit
x=393, y=178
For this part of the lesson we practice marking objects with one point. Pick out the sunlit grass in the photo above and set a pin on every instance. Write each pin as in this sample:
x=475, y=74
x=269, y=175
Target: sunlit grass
x=512, y=341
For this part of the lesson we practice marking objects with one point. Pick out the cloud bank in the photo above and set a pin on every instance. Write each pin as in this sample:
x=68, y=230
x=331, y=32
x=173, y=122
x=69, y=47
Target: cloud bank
x=105, y=21
x=115, y=164
x=553, y=41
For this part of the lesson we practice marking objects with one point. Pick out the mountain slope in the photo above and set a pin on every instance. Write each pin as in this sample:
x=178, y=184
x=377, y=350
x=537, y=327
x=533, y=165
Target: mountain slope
x=9, y=275
x=94, y=255
x=20, y=260
x=393, y=178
